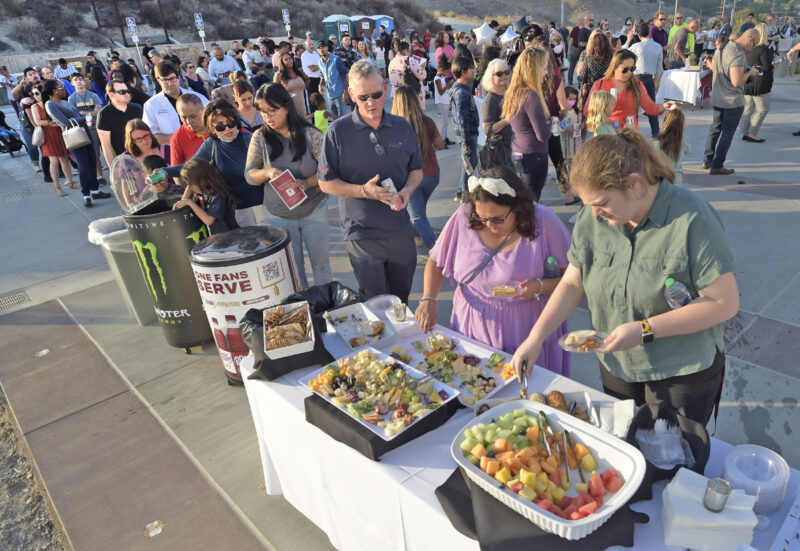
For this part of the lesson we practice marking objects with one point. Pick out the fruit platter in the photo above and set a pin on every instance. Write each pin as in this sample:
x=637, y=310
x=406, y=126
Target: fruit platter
x=477, y=370
x=564, y=475
x=358, y=325
x=378, y=391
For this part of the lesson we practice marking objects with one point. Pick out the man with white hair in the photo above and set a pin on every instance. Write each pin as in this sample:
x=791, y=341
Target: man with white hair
x=364, y=154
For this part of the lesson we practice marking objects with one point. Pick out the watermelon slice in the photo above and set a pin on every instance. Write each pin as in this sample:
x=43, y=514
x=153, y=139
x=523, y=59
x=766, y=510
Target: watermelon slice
x=588, y=509
x=613, y=484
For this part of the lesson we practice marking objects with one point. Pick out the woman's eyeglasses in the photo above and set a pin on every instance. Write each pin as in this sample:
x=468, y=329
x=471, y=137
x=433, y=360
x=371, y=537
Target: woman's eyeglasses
x=366, y=97
x=376, y=143
x=190, y=67
x=493, y=220
x=505, y=73
x=626, y=70
x=222, y=126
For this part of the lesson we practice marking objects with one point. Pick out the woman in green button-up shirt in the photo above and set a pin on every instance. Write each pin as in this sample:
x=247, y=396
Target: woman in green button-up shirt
x=637, y=230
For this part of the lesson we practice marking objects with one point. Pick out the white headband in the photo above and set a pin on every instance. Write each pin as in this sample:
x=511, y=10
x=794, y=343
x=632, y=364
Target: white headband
x=495, y=186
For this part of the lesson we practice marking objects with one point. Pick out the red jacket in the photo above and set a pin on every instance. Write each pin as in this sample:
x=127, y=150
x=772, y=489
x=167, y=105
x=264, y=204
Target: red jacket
x=625, y=105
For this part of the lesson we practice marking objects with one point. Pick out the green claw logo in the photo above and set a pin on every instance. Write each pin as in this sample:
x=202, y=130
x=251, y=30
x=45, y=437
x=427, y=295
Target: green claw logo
x=151, y=248
x=201, y=233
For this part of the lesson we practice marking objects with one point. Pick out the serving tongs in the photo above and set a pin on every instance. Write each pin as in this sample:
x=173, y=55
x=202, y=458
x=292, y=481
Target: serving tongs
x=523, y=386
x=572, y=447
x=544, y=429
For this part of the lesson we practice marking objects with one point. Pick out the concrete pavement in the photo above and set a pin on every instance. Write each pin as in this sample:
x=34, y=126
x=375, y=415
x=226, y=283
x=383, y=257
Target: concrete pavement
x=46, y=257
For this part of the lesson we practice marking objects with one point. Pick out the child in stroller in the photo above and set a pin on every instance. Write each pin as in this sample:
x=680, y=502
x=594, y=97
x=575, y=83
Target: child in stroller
x=10, y=141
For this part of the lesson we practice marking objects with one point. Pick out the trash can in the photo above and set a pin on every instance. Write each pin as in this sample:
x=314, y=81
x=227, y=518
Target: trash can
x=112, y=235
x=161, y=240
x=238, y=270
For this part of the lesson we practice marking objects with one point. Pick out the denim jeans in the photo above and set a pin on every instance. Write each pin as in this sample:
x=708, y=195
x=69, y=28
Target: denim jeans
x=532, y=170
x=650, y=86
x=473, y=160
x=337, y=106
x=87, y=168
x=33, y=152
x=417, y=204
x=313, y=231
x=720, y=134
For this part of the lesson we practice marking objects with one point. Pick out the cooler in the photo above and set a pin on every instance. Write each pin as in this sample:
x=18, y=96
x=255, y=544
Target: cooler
x=238, y=270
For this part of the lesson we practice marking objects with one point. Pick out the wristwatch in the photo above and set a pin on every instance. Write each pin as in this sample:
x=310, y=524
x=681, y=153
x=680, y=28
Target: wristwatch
x=647, y=332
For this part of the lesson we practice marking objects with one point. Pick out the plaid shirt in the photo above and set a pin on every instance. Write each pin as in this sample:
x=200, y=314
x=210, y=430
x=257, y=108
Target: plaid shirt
x=348, y=56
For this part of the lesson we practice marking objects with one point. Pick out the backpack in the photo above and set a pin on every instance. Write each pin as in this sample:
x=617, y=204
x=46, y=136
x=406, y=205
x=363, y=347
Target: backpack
x=410, y=79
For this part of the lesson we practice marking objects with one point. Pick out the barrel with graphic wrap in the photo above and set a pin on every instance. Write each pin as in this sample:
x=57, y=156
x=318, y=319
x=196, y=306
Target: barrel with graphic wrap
x=162, y=239
x=238, y=270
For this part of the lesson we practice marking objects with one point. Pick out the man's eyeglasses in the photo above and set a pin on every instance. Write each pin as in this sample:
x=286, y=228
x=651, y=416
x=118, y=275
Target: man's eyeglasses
x=678, y=18
x=222, y=126
x=366, y=97
x=122, y=92
x=493, y=220
x=626, y=70
x=376, y=143
x=170, y=79
x=661, y=19
x=505, y=73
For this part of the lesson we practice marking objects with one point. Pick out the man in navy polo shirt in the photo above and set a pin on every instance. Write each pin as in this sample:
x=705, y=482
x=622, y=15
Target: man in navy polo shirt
x=360, y=151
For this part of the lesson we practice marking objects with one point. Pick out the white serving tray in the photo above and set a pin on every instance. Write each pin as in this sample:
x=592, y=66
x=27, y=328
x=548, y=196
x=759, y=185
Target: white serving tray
x=607, y=450
x=350, y=328
x=464, y=345
x=437, y=386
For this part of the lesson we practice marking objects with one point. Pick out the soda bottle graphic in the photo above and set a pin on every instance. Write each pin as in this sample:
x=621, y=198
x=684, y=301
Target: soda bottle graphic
x=222, y=347
x=238, y=348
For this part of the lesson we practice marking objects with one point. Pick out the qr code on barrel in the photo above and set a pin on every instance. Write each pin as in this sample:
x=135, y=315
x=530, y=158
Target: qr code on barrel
x=271, y=270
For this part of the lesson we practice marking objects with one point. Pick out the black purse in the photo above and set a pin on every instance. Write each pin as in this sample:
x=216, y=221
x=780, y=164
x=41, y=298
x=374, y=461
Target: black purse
x=494, y=153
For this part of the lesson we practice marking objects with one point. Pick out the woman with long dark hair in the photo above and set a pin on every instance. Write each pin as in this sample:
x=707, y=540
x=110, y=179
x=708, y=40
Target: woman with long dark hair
x=226, y=147
x=66, y=116
x=287, y=141
x=53, y=149
x=294, y=80
x=630, y=92
x=405, y=106
x=499, y=218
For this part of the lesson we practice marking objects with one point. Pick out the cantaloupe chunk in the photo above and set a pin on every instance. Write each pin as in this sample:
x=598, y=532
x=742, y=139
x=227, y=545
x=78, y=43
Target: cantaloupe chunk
x=478, y=451
x=492, y=467
x=501, y=445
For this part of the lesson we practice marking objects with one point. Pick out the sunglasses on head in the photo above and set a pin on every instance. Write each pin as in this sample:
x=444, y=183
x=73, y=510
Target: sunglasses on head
x=626, y=70
x=366, y=97
x=222, y=126
x=493, y=220
x=503, y=73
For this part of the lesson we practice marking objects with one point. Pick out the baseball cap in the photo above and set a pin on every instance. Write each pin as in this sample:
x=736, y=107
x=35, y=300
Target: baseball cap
x=91, y=52
x=308, y=33
x=448, y=27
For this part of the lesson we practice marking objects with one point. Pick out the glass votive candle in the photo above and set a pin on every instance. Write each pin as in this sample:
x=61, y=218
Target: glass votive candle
x=717, y=492
x=400, y=312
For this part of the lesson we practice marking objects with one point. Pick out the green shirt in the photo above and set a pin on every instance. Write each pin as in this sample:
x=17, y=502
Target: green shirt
x=623, y=275
x=320, y=121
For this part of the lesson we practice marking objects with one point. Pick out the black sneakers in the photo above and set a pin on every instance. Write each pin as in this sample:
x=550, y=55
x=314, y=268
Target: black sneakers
x=87, y=202
x=100, y=195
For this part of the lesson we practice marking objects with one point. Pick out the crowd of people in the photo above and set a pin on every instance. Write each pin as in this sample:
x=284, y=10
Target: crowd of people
x=223, y=127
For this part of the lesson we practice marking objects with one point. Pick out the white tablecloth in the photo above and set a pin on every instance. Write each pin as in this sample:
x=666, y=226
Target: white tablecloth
x=679, y=85
x=390, y=504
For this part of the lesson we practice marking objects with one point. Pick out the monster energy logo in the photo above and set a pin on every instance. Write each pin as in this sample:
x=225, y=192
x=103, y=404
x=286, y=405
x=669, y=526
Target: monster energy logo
x=140, y=249
x=196, y=236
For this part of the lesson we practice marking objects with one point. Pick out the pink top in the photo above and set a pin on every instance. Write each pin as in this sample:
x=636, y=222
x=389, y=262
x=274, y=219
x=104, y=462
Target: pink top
x=448, y=51
x=502, y=322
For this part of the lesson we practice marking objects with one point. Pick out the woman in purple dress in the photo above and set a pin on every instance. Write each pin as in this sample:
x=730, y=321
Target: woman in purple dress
x=500, y=222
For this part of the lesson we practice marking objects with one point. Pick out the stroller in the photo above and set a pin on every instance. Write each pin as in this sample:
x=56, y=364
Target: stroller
x=10, y=141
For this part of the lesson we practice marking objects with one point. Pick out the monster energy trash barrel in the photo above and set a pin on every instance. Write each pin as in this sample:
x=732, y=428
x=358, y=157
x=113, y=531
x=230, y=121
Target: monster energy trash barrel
x=238, y=270
x=162, y=239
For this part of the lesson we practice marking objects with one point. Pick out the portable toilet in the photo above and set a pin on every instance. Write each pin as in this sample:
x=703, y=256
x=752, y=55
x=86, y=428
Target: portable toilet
x=383, y=20
x=363, y=24
x=336, y=25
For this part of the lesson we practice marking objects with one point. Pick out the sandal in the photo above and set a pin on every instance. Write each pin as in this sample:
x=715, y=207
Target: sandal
x=70, y=185
x=60, y=192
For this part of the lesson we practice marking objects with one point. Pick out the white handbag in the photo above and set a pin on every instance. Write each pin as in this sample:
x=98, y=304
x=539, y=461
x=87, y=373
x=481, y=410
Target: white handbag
x=38, y=137
x=75, y=136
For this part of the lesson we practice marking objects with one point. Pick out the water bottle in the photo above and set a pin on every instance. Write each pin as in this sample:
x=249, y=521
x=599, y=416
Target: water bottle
x=555, y=127
x=551, y=268
x=88, y=119
x=676, y=293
